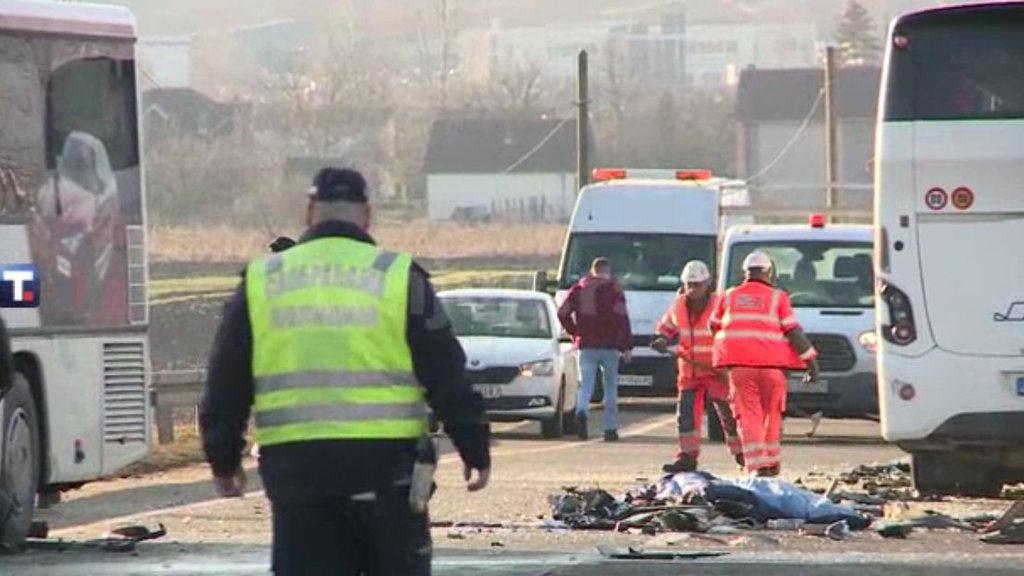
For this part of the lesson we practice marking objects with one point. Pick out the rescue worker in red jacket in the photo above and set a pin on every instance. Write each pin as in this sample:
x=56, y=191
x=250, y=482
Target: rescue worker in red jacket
x=756, y=338
x=687, y=319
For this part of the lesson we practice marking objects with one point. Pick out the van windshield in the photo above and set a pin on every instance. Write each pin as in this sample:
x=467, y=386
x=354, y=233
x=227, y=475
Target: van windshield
x=817, y=274
x=646, y=262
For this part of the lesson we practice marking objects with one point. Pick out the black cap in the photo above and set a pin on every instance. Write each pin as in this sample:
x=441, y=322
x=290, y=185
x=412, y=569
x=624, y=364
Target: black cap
x=338, y=185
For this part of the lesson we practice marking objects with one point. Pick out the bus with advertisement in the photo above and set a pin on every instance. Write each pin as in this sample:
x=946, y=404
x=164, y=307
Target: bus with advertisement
x=72, y=206
x=949, y=214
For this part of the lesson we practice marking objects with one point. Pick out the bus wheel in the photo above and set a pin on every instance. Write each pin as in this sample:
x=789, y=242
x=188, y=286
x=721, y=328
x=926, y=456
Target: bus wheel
x=948, y=474
x=19, y=476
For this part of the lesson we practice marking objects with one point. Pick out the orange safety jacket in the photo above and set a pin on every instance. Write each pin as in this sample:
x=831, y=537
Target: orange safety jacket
x=750, y=325
x=695, y=338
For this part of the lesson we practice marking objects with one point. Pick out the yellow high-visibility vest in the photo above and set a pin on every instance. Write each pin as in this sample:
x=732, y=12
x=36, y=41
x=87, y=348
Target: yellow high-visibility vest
x=330, y=356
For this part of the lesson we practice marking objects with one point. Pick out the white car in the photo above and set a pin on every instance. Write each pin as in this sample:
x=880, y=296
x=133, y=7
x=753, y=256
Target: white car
x=516, y=356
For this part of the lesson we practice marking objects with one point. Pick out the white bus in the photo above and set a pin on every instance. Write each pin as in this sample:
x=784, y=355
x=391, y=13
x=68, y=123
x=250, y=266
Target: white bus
x=949, y=213
x=72, y=203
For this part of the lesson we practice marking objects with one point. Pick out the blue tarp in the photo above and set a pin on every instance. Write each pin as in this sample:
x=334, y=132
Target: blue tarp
x=769, y=498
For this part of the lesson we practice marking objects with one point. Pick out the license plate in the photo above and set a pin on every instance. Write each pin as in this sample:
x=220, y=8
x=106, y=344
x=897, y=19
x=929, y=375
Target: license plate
x=1020, y=385
x=798, y=386
x=488, y=391
x=635, y=380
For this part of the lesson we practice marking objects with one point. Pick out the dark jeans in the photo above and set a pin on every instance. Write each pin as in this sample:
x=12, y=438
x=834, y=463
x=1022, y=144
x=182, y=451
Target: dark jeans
x=342, y=536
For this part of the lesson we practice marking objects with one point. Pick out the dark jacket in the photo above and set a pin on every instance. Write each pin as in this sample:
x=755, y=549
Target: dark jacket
x=331, y=468
x=594, y=314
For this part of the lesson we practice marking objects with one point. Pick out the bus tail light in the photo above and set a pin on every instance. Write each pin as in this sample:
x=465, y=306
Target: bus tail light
x=902, y=330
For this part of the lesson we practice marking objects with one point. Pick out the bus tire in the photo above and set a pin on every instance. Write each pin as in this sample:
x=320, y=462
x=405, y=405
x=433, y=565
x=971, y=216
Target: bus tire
x=19, y=477
x=948, y=474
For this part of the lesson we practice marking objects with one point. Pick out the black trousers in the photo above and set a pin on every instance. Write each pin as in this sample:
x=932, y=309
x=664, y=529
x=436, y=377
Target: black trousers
x=351, y=536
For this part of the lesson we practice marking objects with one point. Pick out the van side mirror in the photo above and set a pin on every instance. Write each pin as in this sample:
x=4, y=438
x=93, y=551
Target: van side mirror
x=541, y=282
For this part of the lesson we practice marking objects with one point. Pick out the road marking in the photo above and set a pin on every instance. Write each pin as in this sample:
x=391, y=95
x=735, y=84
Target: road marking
x=636, y=430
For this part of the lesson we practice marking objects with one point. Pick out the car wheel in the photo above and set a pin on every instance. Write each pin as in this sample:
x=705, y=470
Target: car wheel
x=553, y=427
x=569, y=423
x=19, y=477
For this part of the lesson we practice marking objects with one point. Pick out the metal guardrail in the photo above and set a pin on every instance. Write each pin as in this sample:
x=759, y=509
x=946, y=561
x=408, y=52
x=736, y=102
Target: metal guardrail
x=172, y=389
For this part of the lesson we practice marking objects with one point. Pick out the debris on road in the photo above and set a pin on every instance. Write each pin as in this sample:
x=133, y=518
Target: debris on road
x=868, y=496
x=121, y=539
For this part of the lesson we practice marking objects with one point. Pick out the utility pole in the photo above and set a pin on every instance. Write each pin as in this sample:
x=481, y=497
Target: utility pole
x=831, y=133
x=444, y=54
x=582, y=122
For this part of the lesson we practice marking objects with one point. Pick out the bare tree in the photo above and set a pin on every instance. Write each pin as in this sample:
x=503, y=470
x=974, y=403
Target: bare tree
x=513, y=90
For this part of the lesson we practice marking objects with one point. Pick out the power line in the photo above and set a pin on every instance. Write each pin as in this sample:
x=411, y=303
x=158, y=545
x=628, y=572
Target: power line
x=792, y=141
x=539, y=145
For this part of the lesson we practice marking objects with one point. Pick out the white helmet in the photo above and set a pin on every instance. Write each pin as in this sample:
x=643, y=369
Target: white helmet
x=695, y=271
x=757, y=259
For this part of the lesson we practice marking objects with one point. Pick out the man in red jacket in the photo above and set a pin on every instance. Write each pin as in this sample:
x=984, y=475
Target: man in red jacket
x=594, y=314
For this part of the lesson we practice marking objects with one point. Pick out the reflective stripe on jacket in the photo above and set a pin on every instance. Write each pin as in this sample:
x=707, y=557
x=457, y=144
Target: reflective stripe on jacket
x=330, y=356
x=750, y=325
x=695, y=340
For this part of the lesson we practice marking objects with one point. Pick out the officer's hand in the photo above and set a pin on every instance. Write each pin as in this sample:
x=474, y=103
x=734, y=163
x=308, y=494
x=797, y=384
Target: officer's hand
x=659, y=344
x=627, y=356
x=481, y=479
x=231, y=486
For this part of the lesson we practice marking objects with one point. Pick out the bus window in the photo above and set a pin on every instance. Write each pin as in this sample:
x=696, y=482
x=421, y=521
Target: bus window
x=951, y=71
x=21, y=127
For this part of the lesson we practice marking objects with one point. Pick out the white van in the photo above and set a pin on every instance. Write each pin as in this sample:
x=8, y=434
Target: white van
x=648, y=223
x=827, y=271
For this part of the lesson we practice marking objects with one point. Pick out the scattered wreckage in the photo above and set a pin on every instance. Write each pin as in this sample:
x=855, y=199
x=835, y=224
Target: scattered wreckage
x=866, y=498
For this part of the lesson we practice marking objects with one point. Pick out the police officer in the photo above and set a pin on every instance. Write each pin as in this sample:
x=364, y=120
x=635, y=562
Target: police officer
x=337, y=347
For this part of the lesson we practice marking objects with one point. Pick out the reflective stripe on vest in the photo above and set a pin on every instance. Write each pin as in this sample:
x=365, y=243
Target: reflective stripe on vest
x=330, y=358
x=751, y=332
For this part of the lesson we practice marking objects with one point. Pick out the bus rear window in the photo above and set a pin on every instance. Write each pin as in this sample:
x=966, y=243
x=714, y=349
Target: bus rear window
x=961, y=66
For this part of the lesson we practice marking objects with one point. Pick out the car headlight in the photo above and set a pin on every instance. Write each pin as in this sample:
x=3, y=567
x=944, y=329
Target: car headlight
x=540, y=368
x=869, y=341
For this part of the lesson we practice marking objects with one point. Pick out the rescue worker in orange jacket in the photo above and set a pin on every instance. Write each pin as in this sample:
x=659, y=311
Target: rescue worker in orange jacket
x=687, y=319
x=756, y=338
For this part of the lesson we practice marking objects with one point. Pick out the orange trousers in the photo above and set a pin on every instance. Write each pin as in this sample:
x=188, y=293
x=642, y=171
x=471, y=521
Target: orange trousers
x=758, y=401
x=690, y=412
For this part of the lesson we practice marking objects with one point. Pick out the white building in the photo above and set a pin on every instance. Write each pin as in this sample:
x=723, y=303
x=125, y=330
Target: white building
x=699, y=54
x=520, y=168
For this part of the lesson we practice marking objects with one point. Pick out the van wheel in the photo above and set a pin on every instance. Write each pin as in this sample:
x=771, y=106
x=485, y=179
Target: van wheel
x=19, y=477
x=598, y=396
x=715, y=432
x=553, y=427
x=948, y=474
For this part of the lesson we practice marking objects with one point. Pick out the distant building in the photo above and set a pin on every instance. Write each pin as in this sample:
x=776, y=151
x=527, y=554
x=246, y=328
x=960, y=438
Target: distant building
x=478, y=167
x=771, y=107
x=184, y=112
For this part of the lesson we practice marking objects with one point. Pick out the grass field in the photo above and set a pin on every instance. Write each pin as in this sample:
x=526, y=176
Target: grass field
x=422, y=238
x=174, y=290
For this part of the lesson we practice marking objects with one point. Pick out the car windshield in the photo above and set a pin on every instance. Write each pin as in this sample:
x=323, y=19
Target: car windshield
x=498, y=317
x=817, y=274
x=650, y=262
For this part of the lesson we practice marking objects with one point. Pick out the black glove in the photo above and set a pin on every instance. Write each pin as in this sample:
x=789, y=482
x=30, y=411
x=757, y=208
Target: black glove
x=659, y=344
x=281, y=244
x=812, y=371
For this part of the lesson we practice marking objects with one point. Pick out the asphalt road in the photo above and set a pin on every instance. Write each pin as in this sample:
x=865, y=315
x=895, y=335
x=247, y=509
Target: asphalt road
x=207, y=535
